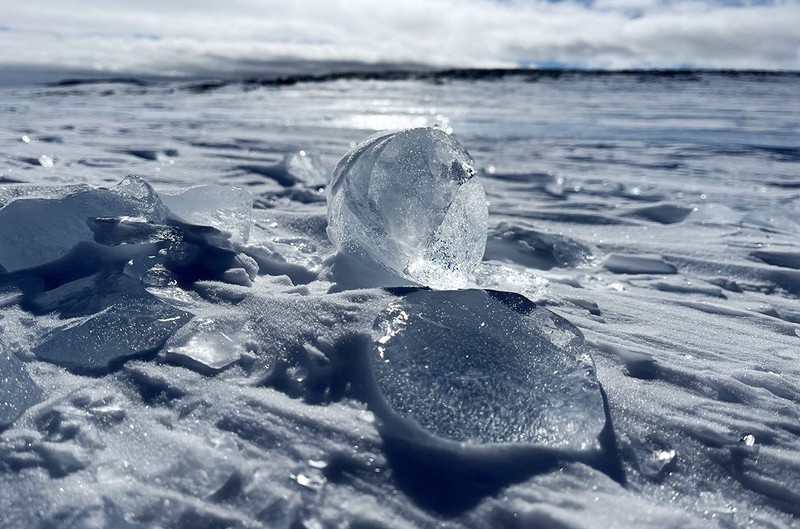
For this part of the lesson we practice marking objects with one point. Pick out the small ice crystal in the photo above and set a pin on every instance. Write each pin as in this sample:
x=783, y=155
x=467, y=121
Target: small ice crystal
x=409, y=202
x=304, y=168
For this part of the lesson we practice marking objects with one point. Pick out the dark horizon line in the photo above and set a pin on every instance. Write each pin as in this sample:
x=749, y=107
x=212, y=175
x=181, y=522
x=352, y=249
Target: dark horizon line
x=435, y=75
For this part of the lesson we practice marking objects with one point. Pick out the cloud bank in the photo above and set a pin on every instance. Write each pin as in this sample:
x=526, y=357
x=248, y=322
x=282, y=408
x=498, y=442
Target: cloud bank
x=204, y=37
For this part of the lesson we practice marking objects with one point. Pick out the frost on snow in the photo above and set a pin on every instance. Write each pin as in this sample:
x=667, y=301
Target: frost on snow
x=410, y=202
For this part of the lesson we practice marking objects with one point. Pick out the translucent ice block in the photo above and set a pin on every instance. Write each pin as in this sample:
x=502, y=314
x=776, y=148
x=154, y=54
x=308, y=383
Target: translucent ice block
x=226, y=208
x=481, y=367
x=410, y=203
x=39, y=230
x=18, y=391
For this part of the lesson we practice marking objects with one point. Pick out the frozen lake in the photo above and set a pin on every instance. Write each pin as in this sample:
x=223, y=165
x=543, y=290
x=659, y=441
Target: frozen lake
x=658, y=214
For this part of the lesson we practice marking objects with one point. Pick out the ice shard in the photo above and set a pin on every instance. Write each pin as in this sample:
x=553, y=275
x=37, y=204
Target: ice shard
x=477, y=367
x=17, y=391
x=410, y=202
x=304, y=168
x=39, y=230
x=134, y=324
x=226, y=208
x=207, y=345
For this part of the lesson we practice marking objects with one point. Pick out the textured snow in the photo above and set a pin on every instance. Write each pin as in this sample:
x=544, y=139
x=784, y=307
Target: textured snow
x=257, y=412
x=409, y=201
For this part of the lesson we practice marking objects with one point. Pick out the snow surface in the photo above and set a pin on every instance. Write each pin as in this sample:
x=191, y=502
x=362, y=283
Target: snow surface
x=160, y=372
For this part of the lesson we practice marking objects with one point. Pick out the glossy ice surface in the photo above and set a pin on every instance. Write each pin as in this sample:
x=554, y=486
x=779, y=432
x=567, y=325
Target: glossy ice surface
x=477, y=367
x=410, y=201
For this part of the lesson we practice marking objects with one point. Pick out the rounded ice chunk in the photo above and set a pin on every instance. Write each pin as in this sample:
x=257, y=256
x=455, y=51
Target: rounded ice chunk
x=410, y=202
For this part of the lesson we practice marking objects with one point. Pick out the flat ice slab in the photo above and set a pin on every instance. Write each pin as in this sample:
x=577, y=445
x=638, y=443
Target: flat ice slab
x=134, y=324
x=18, y=391
x=487, y=367
x=39, y=230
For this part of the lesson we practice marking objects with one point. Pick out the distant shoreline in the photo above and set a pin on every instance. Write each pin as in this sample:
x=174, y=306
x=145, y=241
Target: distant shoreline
x=18, y=76
x=476, y=74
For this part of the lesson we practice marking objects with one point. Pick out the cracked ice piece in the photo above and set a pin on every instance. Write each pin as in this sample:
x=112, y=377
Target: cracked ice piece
x=479, y=367
x=17, y=391
x=134, y=324
x=410, y=202
x=207, y=345
x=39, y=230
x=226, y=208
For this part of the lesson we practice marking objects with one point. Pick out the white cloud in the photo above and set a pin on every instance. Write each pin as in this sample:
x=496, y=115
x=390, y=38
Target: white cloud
x=173, y=37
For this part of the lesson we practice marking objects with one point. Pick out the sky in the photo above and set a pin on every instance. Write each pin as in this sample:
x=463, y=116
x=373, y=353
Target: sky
x=242, y=37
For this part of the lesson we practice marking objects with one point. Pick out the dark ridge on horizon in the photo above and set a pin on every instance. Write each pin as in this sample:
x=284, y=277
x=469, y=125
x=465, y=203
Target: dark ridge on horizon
x=436, y=76
x=133, y=81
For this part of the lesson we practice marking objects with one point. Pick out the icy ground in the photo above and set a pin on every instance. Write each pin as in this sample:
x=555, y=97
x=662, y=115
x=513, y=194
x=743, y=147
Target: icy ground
x=156, y=373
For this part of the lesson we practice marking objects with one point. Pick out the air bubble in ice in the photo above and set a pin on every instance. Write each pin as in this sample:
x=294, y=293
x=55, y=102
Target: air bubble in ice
x=410, y=202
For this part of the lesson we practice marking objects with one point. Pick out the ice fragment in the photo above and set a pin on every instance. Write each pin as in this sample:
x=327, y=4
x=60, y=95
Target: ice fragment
x=37, y=231
x=536, y=249
x=713, y=214
x=143, y=194
x=226, y=208
x=304, y=168
x=409, y=202
x=134, y=324
x=17, y=391
x=486, y=367
x=206, y=345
